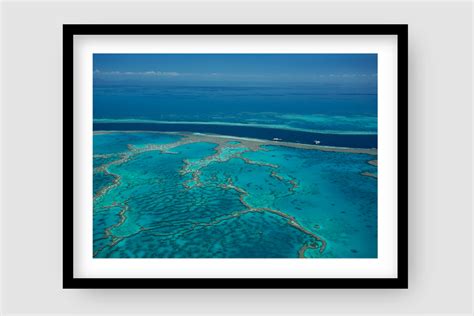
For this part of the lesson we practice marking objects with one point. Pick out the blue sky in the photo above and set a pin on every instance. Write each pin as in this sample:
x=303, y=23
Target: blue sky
x=249, y=68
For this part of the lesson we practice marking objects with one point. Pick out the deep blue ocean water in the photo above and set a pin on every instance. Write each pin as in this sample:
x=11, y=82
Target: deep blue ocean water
x=119, y=101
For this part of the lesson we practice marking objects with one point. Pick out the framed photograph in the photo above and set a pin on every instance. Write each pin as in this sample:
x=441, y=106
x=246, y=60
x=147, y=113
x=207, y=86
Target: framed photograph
x=235, y=156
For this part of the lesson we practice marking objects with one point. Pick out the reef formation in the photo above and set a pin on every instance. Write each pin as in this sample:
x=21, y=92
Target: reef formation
x=172, y=195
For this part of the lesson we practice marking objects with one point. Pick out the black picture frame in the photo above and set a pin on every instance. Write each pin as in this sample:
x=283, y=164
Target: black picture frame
x=399, y=30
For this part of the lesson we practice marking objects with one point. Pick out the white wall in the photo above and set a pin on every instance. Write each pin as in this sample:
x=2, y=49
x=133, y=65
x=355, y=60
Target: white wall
x=440, y=158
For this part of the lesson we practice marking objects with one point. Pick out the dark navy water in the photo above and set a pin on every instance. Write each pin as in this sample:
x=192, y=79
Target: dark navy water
x=352, y=141
x=184, y=102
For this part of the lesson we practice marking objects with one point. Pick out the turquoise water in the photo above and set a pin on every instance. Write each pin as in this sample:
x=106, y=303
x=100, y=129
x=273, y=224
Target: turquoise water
x=118, y=142
x=223, y=199
x=331, y=194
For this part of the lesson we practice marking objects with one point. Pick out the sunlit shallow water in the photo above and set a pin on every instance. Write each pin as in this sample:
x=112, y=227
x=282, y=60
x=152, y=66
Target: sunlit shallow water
x=202, y=200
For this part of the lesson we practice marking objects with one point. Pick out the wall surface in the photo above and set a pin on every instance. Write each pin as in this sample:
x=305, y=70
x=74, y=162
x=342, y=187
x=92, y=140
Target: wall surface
x=439, y=155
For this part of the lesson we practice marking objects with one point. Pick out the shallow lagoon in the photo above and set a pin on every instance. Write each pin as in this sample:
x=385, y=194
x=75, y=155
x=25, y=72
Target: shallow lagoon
x=204, y=200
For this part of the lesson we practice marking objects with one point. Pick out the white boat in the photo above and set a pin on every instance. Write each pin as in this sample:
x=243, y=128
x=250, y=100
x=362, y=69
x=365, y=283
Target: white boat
x=276, y=139
x=317, y=142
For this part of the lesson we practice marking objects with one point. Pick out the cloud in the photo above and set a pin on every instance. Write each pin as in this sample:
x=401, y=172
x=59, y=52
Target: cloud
x=216, y=76
x=152, y=73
